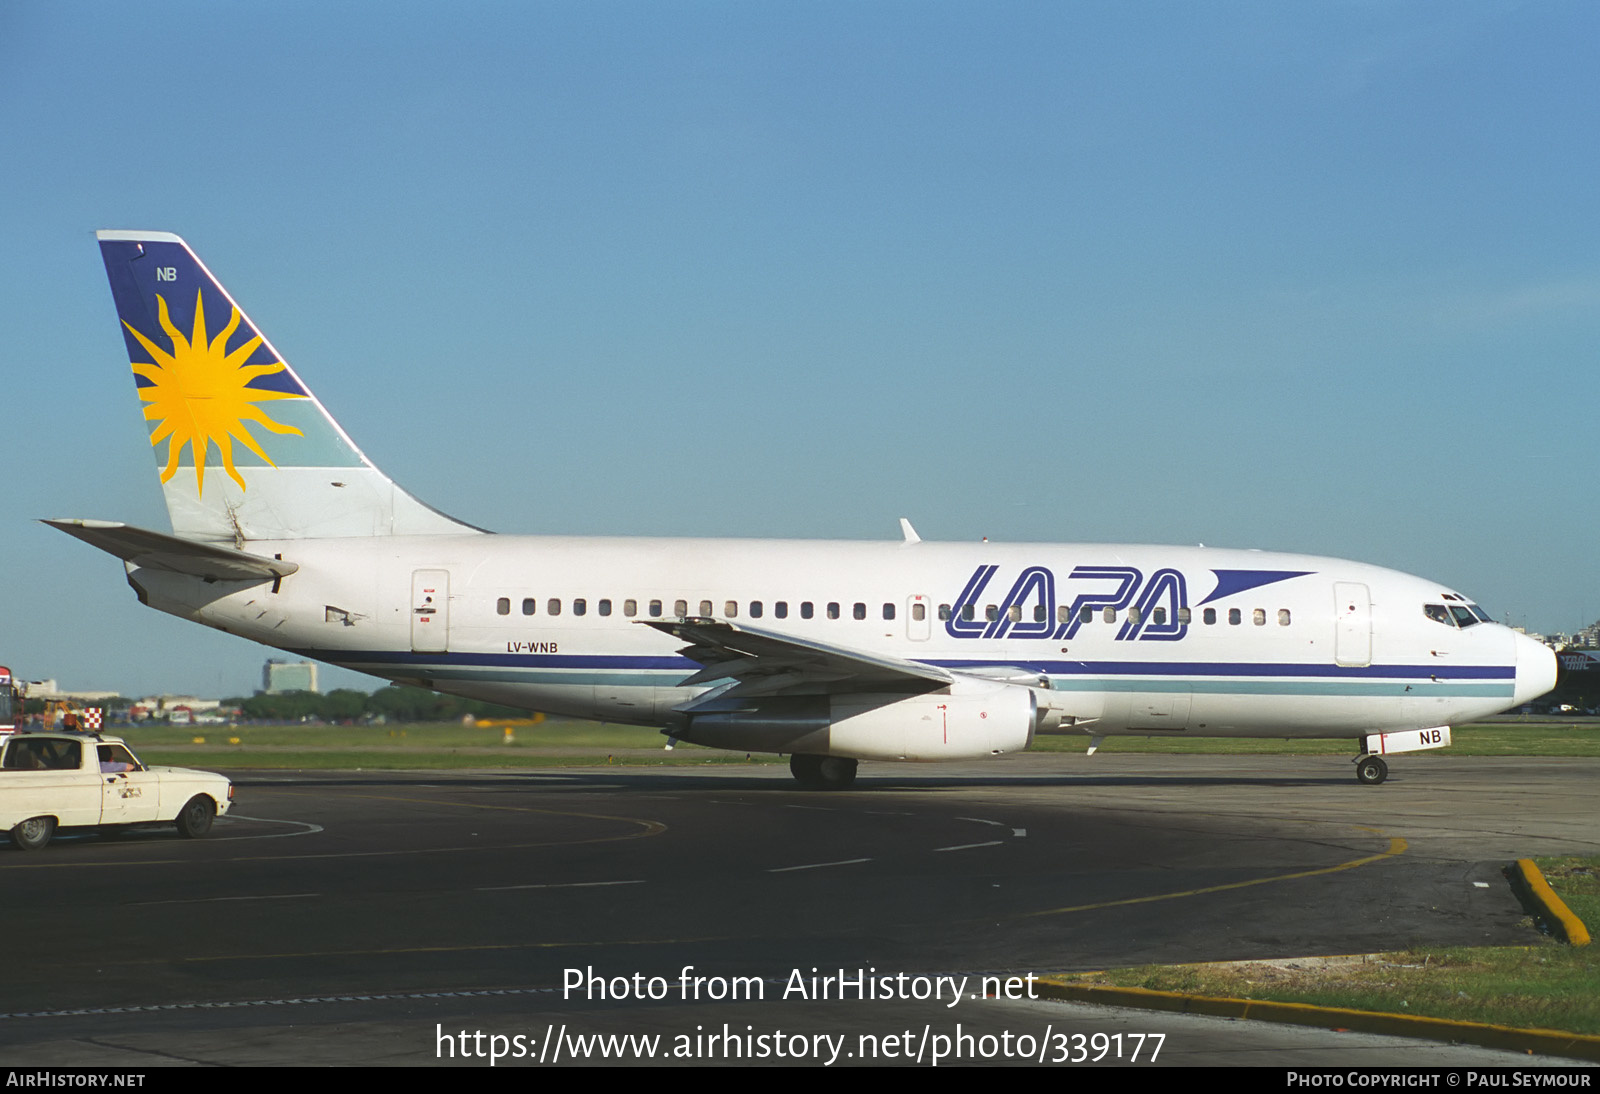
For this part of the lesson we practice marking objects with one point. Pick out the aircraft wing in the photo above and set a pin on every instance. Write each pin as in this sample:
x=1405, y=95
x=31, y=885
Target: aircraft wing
x=760, y=662
x=159, y=551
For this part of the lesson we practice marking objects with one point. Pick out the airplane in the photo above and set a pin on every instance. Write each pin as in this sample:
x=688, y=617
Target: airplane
x=829, y=652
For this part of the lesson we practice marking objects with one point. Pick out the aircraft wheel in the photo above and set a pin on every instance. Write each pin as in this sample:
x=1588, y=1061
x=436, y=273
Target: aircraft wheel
x=1371, y=770
x=838, y=772
x=33, y=833
x=807, y=770
x=822, y=772
x=195, y=819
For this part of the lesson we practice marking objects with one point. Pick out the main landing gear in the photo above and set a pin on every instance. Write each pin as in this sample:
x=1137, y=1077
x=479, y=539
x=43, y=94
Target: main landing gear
x=823, y=772
x=1371, y=770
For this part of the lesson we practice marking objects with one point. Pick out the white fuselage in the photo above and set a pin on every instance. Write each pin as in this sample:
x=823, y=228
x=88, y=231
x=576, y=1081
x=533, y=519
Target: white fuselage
x=1131, y=639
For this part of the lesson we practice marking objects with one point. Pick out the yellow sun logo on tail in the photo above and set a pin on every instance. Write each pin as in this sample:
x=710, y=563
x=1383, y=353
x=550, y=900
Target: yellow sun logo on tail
x=200, y=394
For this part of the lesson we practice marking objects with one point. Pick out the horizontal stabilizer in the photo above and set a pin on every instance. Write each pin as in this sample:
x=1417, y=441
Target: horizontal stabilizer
x=157, y=551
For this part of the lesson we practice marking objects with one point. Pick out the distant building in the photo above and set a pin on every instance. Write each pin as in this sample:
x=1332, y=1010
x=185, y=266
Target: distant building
x=280, y=676
x=49, y=689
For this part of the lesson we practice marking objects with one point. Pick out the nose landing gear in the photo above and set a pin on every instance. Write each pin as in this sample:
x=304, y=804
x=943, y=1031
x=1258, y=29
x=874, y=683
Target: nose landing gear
x=1371, y=770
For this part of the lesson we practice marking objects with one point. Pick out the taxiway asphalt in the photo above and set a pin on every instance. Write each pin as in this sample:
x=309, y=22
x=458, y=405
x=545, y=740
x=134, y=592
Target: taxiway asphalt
x=341, y=917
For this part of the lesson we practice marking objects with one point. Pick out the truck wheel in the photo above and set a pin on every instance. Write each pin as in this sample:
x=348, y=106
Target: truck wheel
x=195, y=819
x=33, y=833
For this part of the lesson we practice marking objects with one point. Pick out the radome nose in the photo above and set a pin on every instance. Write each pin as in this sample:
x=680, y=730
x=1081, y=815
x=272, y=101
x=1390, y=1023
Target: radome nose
x=1536, y=669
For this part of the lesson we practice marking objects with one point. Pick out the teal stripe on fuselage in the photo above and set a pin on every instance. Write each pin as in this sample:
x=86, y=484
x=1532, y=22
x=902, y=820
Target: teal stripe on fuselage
x=1286, y=687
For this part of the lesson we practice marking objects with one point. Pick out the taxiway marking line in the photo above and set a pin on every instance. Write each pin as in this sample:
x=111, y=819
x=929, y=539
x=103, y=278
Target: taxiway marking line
x=219, y=899
x=310, y=829
x=1397, y=846
x=424, y=949
x=817, y=865
x=651, y=827
x=969, y=846
x=556, y=885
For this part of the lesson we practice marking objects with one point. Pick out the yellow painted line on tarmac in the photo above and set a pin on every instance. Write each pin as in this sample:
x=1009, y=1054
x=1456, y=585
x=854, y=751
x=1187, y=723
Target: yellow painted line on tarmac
x=1397, y=846
x=1511, y=1038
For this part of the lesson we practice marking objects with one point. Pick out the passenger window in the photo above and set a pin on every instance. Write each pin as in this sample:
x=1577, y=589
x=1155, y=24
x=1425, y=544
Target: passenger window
x=1183, y=616
x=605, y=607
x=919, y=612
x=705, y=607
x=554, y=607
x=1086, y=614
x=680, y=608
x=806, y=610
x=1111, y=615
x=503, y=605
x=1039, y=611
x=1210, y=616
x=1063, y=613
x=580, y=606
x=967, y=612
x=655, y=609
x=859, y=611
x=888, y=611
x=528, y=605
x=1159, y=617
x=780, y=610
x=991, y=613
x=730, y=609
x=944, y=612
x=1014, y=613
x=833, y=609
x=1235, y=617
x=630, y=608
x=1260, y=617
x=1133, y=615
x=1283, y=617
x=755, y=609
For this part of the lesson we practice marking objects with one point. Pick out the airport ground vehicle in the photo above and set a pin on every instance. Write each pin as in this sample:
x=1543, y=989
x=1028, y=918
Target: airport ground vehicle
x=86, y=780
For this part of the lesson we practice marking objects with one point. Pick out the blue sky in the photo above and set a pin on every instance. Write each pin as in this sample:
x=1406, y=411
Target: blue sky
x=1315, y=277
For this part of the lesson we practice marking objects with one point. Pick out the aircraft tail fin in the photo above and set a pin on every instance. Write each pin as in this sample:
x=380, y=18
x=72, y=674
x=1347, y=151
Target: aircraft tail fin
x=245, y=450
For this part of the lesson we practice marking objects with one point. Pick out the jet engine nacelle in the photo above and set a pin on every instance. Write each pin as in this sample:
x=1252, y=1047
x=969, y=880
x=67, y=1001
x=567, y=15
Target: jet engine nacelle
x=973, y=719
x=1054, y=711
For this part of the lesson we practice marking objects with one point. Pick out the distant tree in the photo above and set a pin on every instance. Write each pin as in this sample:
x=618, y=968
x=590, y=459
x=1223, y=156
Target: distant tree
x=393, y=703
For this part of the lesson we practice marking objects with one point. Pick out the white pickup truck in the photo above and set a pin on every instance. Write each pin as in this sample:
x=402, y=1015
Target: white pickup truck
x=86, y=780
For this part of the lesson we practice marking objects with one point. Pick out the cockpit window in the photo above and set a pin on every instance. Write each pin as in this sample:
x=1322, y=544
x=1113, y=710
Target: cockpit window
x=1464, y=616
x=1438, y=613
